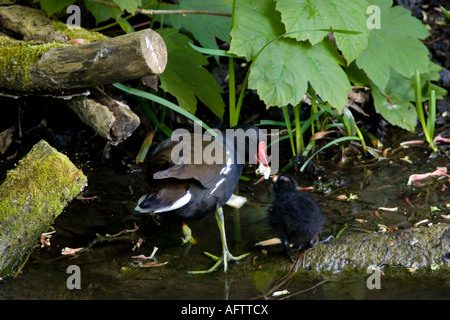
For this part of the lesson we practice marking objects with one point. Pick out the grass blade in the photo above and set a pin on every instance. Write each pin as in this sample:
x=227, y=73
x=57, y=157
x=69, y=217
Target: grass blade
x=213, y=52
x=431, y=121
x=329, y=144
x=289, y=128
x=164, y=102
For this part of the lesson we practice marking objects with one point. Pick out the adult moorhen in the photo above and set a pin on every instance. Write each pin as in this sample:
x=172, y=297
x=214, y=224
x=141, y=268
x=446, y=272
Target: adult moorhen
x=191, y=177
x=295, y=216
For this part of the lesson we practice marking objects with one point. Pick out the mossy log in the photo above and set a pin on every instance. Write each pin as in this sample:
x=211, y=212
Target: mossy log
x=31, y=197
x=32, y=24
x=421, y=248
x=56, y=67
x=111, y=119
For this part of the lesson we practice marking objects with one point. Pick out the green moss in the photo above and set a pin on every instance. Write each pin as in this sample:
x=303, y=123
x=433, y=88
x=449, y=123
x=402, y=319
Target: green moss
x=17, y=58
x=77, y=33
x=50, y=180
x=32, y=196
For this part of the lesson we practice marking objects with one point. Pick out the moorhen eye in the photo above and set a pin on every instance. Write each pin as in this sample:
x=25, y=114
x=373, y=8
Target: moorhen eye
x=295, y=216
x=193, y=190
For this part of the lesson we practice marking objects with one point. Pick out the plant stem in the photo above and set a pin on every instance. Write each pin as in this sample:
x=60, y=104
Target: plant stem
x=241, y=99
x=289, y=128
x=428, y=127
x=298, y=135
x=231, y=90
x=431, y=121
x=314, y=109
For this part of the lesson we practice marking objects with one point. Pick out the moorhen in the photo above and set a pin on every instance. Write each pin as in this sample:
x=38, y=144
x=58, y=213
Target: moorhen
x=295, y=216
x=190, y=178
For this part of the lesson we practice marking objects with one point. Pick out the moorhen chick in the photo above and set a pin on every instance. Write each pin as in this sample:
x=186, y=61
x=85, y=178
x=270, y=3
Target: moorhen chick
x=190, y=178
x=295, y=216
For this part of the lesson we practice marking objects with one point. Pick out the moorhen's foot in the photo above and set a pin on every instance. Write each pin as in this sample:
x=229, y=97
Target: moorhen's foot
x=224, y=259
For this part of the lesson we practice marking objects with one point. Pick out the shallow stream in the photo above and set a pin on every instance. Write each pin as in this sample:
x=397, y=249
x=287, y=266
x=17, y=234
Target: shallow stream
x=108, y=270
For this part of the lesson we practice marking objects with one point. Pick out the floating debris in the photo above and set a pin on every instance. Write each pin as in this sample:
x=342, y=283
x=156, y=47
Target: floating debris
x=45, y=238
x=395, y=209
x=268, y=242
x=413, y=267
x=406, y=159
x=280, y=293
x=149, y=264
x=70, y=251
x=421, y=222
x=417, y=179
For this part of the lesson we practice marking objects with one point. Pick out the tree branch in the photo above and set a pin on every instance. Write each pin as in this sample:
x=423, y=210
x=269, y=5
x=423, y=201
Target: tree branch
x=166, y=12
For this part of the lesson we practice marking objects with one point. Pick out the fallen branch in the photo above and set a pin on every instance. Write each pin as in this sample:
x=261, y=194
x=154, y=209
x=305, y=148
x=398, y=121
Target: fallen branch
x=167, y=12
x=110, y=118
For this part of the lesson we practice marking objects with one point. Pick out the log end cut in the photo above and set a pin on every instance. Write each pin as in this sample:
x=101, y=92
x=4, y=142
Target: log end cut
x=154, y=51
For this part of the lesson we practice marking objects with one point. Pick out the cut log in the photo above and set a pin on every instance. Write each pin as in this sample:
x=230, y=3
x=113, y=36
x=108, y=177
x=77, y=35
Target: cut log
x=31, y=197
x=110, y=118
x=60, y=67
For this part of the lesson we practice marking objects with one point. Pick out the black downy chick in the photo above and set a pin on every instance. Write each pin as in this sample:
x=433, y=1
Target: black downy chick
x=295, y=216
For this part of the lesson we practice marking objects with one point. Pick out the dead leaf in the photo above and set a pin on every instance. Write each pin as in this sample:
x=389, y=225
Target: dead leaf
x=6, y=139
x=321, y=134
x=416, y=179
x=441, y=139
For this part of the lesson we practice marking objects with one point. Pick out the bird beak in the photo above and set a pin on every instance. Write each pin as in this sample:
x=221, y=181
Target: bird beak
x=263, y=168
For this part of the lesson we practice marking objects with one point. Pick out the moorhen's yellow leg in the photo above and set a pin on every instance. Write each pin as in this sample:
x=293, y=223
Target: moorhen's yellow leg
x=226, y=255
x=187, y=234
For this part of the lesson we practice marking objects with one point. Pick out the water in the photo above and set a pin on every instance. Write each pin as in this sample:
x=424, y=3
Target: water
x=108, y=270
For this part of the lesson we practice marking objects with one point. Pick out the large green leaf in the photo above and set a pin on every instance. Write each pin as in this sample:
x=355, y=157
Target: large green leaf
x=325, y=14
x=204, y=28
x=255, y=24
x=185, y=76
x=395, y=107
x=54, y=6
x=395, y=45
x=395, y=103
x=283, y=69
x=101, y=12
x=128, y=5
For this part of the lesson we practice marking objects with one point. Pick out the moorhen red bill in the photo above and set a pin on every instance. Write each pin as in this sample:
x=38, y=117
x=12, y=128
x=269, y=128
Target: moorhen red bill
x=183, y=188
x=295, y=215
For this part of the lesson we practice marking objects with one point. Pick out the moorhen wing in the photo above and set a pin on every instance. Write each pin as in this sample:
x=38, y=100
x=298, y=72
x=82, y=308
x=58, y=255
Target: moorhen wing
x=190, y=178
x=295, y=216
